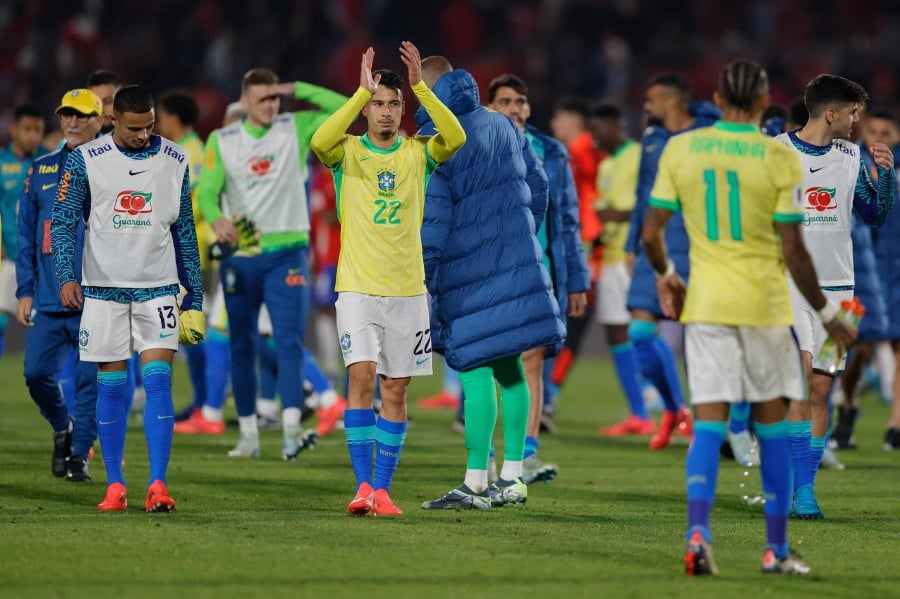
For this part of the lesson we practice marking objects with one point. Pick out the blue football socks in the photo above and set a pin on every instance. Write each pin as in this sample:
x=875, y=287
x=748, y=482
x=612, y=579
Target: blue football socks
x=359, y=428
x=112, y=421
x=159, y=416
x=799, y=437
x=628, y=371
x=702, y=471
x=776, y=482
x=389, y=439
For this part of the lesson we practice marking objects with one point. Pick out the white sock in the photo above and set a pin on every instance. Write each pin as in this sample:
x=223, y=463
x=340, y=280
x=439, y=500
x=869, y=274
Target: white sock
x=267, y=408
x=247, y=425
x=212, y=414
x=327, y=398
x=290, y=419
x=477, y=480
x=511, y=469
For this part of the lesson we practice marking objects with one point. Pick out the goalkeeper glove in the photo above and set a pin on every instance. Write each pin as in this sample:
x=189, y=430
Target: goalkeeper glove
x=249, y=236
x=191, y=327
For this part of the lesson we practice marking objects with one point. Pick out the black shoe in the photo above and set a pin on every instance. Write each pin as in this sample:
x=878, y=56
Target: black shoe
x=892, y=439
x=842, y=437
x=62, y=448
x=77, y=470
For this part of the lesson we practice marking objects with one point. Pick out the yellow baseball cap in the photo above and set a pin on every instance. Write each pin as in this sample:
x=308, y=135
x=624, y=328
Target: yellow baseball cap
x=83, y=100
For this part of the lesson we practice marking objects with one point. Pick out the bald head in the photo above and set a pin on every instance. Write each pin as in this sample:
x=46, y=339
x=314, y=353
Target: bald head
x=433, y=68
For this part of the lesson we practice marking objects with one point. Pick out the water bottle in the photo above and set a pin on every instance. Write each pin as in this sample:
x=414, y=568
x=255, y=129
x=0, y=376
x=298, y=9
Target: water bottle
x=831, y=353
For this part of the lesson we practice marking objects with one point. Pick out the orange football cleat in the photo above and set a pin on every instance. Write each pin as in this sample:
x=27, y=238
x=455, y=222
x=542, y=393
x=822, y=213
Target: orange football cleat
x=115, y=500
x=384, y=506
x=663, y=435
x=198, y=425
x=364, y=502
x=685, y=424
x=441, y=401
x=158, y=499
x=328, y=417
x=633, y=425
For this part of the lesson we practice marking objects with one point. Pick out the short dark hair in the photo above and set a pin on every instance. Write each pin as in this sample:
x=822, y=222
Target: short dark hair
x=103, y=77
x=132, y=98
x=798, y=112
x=390, y=79
x=181, y=103
x=575, y=105
x=774, y=111
x=742, y=84
x=880, y=112
x=258, y=76
x=675, y=82
x=607, y=112
x=26, y=110
x=826, y=89
x=506, y=80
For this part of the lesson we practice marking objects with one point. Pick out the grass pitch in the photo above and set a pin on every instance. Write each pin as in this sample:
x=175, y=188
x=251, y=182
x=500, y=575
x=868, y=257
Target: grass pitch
x=611, y=525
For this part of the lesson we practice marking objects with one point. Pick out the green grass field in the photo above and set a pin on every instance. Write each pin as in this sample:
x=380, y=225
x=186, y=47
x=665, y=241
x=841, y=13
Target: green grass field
x=611, y=524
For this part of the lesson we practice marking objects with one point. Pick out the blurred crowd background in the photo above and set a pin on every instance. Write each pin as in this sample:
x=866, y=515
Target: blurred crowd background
x=600, y=49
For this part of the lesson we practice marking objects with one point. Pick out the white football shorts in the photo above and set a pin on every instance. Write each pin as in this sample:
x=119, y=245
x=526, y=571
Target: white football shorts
x=810, y=333
x=109, y=330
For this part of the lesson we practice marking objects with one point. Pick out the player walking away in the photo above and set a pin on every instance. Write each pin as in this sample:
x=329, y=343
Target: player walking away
x=570, y=126
x=105, y=84
x=616, y=185
x=491, y=294
x=132, y=190
x=563, y=256
x=382, y=311
x=835, y=183
x=261, y=163
x=26, y=132
x=732, y=184
x=53, y=329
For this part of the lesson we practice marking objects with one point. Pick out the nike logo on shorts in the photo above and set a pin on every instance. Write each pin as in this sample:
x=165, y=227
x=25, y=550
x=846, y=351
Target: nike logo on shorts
x=165, y=335
x=422, y=361
x=47, y=186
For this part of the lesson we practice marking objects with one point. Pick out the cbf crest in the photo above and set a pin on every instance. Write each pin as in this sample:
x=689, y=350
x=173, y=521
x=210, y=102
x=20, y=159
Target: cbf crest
x=83, y=336
x=345, y=343
x=387, y=179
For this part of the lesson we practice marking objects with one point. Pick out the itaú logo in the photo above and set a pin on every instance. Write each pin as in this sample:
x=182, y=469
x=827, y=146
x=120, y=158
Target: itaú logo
x=821, y=198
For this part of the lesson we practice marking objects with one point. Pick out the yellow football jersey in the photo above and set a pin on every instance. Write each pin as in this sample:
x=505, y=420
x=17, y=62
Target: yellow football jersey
x=616, y=188
x=732, y=184
x=380, y=201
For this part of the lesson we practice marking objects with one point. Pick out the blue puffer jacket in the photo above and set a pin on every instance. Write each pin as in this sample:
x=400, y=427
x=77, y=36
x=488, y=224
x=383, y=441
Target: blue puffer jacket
x=491, y=295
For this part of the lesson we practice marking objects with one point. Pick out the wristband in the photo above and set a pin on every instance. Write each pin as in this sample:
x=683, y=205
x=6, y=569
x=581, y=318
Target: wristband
x=670, y=270
x=828, y=311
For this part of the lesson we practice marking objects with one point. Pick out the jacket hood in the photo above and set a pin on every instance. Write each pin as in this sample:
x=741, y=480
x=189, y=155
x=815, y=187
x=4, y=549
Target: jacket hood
x=705, y=110
x=458, y=91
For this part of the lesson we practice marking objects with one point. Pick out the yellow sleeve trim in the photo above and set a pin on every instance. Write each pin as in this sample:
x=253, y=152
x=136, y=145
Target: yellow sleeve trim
x=781, y=217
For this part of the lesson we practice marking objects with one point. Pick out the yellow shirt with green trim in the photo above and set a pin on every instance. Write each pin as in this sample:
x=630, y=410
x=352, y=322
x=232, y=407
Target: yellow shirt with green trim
x=617, y=179
x=380, y=203
x=732, y=184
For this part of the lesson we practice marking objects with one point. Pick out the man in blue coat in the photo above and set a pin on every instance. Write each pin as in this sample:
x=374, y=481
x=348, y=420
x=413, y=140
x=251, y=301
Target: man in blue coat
x=670, y=112
x=491, y=293
x=560, y=239
x=53, y=330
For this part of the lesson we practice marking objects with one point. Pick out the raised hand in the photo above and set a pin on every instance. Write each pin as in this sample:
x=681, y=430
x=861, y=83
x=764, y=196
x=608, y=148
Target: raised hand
x=882, y=155
x=366, y=80
x=410, y=56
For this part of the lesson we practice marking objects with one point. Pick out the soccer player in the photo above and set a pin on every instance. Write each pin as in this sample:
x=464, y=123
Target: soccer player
x=492, y=297
x=616, y=185
x=669, y=111
x=177, y=113
x=570, y=126
x=261, y=163
x=382, y=311
x=739, y=193
x=53, y=328
x=835, y=183
x=563, y=255
x=25, y=132
x=132, y=190
x=105, y=84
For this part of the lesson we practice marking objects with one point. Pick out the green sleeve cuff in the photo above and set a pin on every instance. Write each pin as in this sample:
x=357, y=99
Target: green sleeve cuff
x=673, y=205
x=788, y=218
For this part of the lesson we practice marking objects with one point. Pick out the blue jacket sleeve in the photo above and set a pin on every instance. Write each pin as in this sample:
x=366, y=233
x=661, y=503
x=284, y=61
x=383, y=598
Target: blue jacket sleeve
x=537, y=181
x=579, y=278
x=26, y=257
x=646, y=175
x=187, y=252
x=436, y=224
x=72, y=195
x=873, y=202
